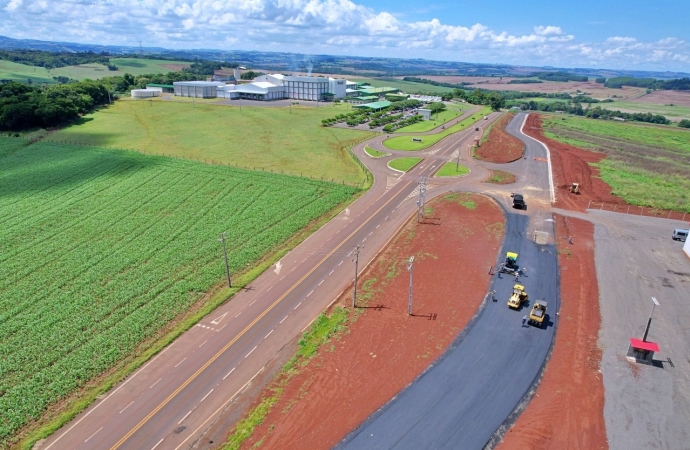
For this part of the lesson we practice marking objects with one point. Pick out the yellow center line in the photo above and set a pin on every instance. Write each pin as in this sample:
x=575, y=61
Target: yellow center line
x=148, y=417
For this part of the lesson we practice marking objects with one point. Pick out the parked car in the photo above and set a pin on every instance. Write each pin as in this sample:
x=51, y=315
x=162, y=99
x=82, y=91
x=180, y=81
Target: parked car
x=680, y=234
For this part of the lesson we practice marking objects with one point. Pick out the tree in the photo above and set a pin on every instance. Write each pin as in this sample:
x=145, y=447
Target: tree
x=496, y=101
x=685, y=123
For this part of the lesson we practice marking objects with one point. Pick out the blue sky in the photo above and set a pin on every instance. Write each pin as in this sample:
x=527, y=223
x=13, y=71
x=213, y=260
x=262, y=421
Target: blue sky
x=633, y=34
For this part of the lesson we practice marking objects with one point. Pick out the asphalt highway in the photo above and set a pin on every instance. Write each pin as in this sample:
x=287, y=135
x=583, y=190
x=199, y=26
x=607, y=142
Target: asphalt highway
x=173, y=399
x=466, y=395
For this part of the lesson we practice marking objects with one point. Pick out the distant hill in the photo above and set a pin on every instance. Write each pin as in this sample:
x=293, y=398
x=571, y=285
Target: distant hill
x=332, y=64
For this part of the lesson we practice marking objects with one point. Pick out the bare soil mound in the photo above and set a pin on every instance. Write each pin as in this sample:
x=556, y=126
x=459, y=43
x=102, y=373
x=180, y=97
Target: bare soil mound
x=500, y=147
x=568, y=410
x=383, y=349
x=571, y=164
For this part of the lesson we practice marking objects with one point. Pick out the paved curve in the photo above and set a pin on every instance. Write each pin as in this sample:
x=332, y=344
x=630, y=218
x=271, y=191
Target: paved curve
x=172, y=400
x=466, y=395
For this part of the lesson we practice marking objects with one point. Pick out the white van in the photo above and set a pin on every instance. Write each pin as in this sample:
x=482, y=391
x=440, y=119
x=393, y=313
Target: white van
x=680, y=235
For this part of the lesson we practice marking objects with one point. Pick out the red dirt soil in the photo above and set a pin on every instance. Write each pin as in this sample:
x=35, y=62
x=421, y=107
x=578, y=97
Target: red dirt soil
x=571, y=164
x=383, y=349
x=568, y=409
x=500, y=146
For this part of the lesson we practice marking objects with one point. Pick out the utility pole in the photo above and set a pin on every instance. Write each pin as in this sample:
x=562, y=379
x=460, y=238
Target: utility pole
x=421, y=201
x=409, y=297
x=649, y=322
x=225, y=253
x=356, y=261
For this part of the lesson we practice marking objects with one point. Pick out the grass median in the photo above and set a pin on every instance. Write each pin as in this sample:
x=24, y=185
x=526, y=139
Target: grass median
x=406, y=143
x=404, y=164
x=452, y=169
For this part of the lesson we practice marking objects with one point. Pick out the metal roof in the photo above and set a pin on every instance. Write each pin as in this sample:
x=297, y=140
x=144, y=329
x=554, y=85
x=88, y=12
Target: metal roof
x=167, y=86
x=644, y=345
x=374, y=105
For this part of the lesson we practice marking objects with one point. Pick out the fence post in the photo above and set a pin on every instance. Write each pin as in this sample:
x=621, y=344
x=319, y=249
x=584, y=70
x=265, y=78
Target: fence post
x=602, y=206
x=669, y=215
x=642, y=210
x=614, y=207
x=628, y=209
x=588, y=204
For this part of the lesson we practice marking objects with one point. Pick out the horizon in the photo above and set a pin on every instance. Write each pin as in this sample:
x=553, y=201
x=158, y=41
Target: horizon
x=495, y=32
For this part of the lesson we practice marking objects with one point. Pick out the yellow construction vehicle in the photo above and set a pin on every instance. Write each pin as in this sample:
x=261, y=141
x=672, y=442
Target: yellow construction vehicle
x=511, y=264
x=538, y=313
x=518, y=298
x=574, y=188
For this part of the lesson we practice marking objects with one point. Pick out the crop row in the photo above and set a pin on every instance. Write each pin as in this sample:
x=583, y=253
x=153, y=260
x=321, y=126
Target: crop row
x=103, y=248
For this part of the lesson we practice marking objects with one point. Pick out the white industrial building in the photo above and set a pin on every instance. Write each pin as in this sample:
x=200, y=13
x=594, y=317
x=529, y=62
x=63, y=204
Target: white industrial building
x=268, y=87
x=146, y=93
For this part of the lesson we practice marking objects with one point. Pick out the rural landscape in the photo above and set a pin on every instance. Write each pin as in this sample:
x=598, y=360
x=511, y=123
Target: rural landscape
x=264, y=248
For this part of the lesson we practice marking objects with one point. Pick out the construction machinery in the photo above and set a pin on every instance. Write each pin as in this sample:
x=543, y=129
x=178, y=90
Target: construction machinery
x=574, y=188
x=538, y=313
x=510, y=266
x=518, y=298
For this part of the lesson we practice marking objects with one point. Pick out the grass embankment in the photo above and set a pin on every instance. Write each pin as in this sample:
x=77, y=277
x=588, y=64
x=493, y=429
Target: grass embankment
x=404, y=164
x=437, y=119
x=682, y=112
x=406, y=142
x=374, y=153
x=261, y=138
x=135, y=66
x=145, y=224
x=451, y=169
x=324, y=328
x=645, y=165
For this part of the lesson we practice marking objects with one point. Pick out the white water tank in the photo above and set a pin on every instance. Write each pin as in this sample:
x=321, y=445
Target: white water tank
x=145, y=93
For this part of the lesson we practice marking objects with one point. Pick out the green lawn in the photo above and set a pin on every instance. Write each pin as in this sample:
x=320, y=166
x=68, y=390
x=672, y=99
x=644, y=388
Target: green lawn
x=22, y=73
x=647, y=165
x=404, y=164
x=437, y=120
x=449, y=170
x=406, y=86
x=265, y=138
x=102, y=248
x=374, y=153
x=406, y=142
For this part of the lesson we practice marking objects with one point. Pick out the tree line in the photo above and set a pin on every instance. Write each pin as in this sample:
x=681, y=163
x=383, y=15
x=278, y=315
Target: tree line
x=679, y=84
x=53, y=60
x=594, y=113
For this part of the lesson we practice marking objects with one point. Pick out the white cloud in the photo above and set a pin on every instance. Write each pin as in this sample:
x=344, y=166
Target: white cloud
x=321, y=26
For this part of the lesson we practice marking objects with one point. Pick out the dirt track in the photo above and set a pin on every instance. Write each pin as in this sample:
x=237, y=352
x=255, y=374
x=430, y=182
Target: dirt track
x=384, y=349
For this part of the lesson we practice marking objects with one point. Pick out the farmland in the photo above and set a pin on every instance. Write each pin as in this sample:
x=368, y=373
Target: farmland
x=645, y=165
x=22, y=73
x=270, y=139
x=103, y=248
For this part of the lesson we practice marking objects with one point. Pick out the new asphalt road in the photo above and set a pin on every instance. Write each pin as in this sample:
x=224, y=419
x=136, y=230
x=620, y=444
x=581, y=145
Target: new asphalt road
x=465, y=396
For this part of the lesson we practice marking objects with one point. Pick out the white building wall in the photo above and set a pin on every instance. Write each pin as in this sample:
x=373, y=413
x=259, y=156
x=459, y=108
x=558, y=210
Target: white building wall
x=686, y=247
x=337, y=87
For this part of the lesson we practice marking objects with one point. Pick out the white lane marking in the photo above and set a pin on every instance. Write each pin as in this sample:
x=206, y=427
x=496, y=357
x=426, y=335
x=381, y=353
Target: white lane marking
x=204, y=342
x=364, y=239
x=386, y=218
x=159, y=443
x=348, y=255
x=218, y=330
x=209, y=393
x=269, y=288
x=155, y=383
x=87, y=439
x=180, y=362
x=111, y=394
x=269, y=333
x=293, y=268
x=312, y=291
x=283, y=319
x=377, y=226
x=130, y=404
x=297, y=306
x=238, y=314
x=331, y=272
x=283, y=277
x=185, y=416
x=228, y=374
x=319, y=284
x=251, y=352
x=217, y=320
x=340, y=263
x=329, y=238
x=370, y=233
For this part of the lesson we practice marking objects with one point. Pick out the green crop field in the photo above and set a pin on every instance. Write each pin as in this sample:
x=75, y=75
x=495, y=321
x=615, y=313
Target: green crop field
x=646, y=165
x=681, y=112
x=264, y=138
x=22, y=73
x=449, y=170
x=437, y=119
x=406, y=142
x=404, y=164
x=102, y=248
